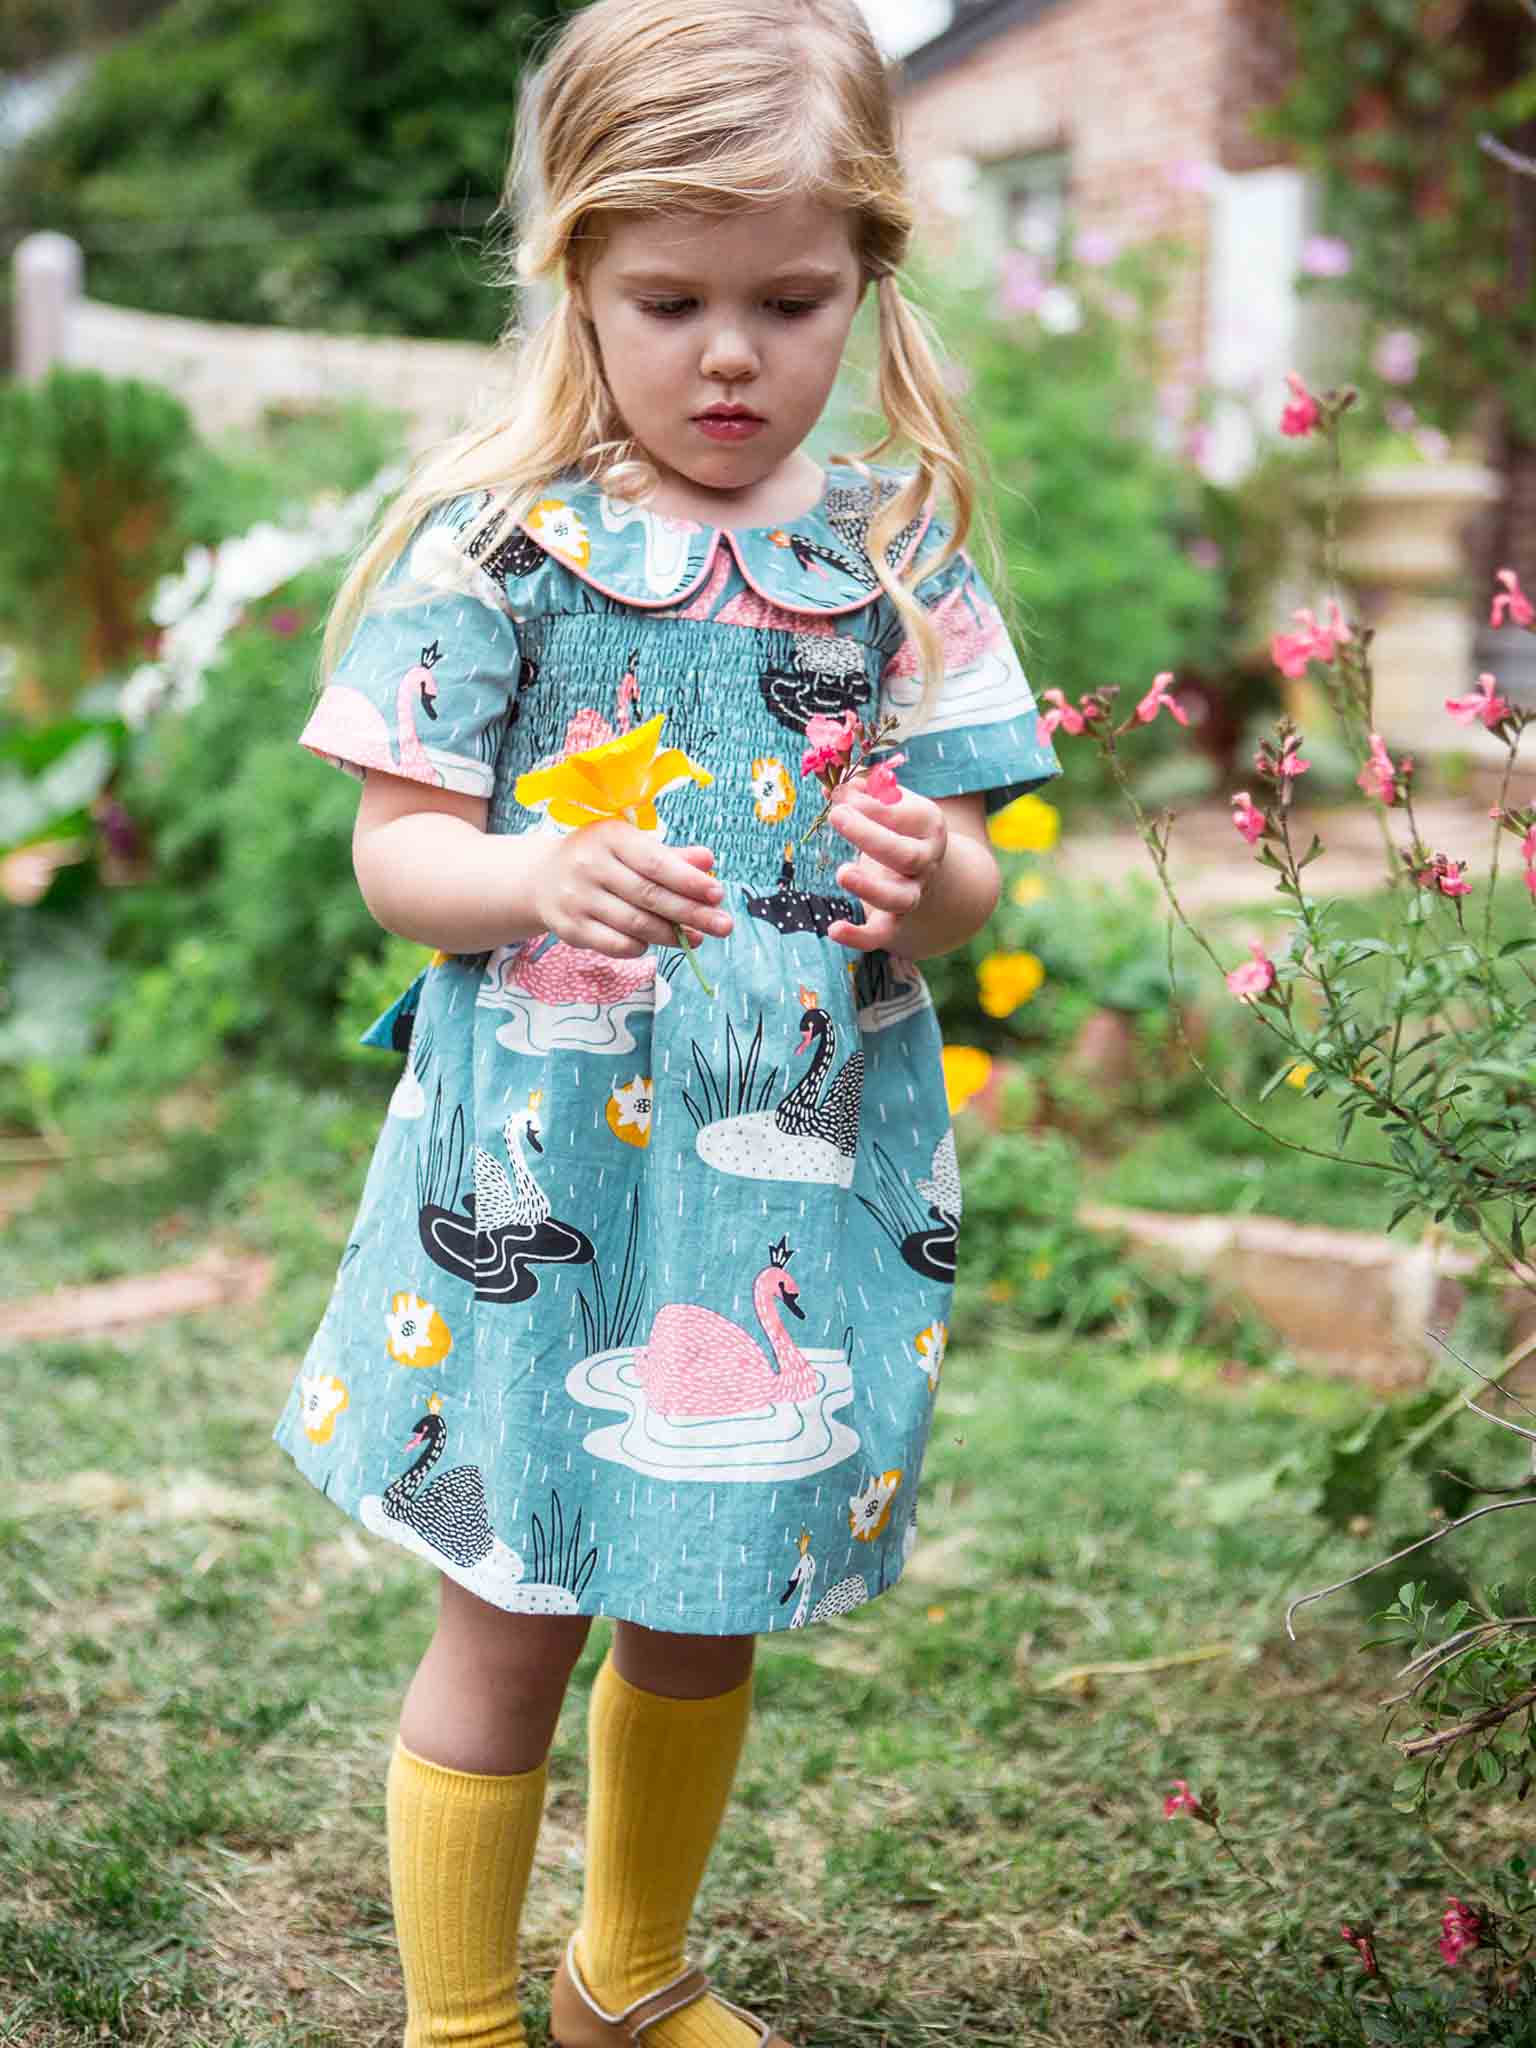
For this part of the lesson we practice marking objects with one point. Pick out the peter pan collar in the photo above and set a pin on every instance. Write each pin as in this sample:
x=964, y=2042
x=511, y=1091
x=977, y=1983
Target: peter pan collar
x=816, y=564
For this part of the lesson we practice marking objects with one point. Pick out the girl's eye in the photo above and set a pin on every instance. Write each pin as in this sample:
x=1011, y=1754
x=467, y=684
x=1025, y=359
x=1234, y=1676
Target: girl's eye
x=667, y=309
x=796, y=309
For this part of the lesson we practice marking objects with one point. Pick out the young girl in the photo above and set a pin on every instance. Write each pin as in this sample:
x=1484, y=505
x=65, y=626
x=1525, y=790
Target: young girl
x=644, y=1308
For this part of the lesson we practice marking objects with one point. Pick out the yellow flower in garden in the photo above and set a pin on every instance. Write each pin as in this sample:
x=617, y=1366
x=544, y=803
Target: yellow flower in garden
x=1028, y=825
x=967, y=1070
x=1007, y=980
x=1300, y=1075
x=1026, y=890
x=417, y=1333
x=619, y=778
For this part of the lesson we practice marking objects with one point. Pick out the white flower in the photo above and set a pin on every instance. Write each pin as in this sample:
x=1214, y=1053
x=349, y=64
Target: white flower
x=321, y=1399
x=870, y=1508
x=415, y=1327
x=1059, y=310
x=931, y=1345
x=629, y=1110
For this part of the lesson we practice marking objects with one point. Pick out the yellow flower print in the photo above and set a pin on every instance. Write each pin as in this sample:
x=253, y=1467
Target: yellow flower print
x=561, y=529
x=967, y=1070
x=417, y=1333
x=1007, y=980
x=869, y=1510
x=629, y=1111
x=619, y=778
x=321, y=1400
x=773, y=794
x=931, y=1345
x=1028, y=825
x=1027, y=890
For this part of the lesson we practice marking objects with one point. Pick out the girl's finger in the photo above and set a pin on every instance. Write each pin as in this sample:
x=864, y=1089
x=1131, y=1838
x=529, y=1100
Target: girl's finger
x=595, y=937
x=898, y=850
x=620, y=915
x=659, y=871
x=879, y=887
x=863, y=938
x=652, y=900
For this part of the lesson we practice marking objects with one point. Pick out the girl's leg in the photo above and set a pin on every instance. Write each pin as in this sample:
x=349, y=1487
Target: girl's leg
x=669, y=1714
x=466, y=1793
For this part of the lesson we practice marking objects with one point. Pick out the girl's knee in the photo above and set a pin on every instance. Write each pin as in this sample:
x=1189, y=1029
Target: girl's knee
x=526, y=1652
x=681, y=1667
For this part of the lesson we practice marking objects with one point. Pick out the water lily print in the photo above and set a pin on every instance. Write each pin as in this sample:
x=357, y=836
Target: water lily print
x=869, y=1510
x=773, y=794
x=322, y=1397
x=417, y=1333
x=560, y=529
x=930, y=1345
x=629, y=1110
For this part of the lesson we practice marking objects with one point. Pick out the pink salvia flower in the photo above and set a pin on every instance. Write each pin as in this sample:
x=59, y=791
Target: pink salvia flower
x=881, y=780
x=1063, y=714
x=1303, y=413
x=1158, y=699
x=1180, y=1801
x=1247, y=818
x=836, y=733
x=1362, y=1941
x=1484, y=703
x=1290, y=762
x=1447, y=875
x=1528, y=848
x=1378, y=777
x=1512, y=602
x=1256, y=977
x=1291, y=652
x=1460, y=1930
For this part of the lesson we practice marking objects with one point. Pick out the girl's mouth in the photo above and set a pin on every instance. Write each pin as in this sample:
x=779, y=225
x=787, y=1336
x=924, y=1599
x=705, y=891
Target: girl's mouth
x=729, y=424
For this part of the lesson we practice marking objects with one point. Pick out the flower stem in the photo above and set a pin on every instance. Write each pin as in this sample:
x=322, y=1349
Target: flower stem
x=691, y=950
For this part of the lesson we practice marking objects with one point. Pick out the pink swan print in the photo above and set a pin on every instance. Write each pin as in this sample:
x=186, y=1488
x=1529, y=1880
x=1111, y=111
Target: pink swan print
x=590, y=729
x=349, y=725
x=697, y=1362
x=552, y=972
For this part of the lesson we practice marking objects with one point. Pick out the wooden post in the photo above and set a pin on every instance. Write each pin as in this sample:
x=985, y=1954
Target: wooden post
x=49, y=272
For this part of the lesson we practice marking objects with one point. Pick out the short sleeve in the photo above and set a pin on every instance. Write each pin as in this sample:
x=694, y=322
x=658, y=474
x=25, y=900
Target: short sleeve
x=426, y=683
x=983, y=733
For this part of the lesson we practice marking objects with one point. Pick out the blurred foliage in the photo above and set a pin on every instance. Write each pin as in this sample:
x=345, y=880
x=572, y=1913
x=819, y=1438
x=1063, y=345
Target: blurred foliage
x=303, y=108
x=100, y=465
x=34, y=32
x=1387, y=105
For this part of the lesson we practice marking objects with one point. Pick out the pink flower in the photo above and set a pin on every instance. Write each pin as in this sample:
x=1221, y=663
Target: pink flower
x=1378, y=777
x=1484, y=703
x=1292, y=651
x=1205, y=552
x=881, y=780
x=1157, y=699
x=1248, y=820
x=1528, y=848
x=1181, y=1801
x=1063, y=714
x=1096, y=247
x=1447, y=875
x=1023, y=284
x=1256, y=977
x=1512, y=600
x=1460, y=1929
x=837, y=733
x=1362, y=1941
x=1303, y=413
x=1396, y=356
x=1290, y=762
x=1530, y=880
x=1326, y=256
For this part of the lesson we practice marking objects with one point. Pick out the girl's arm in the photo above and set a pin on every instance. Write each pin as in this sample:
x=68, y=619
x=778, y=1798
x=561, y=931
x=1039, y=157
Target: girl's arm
x=925, y=871
x=429, y=870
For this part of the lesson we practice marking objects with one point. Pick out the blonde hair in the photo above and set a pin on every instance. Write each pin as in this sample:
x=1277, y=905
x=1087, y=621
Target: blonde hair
x=707, y=107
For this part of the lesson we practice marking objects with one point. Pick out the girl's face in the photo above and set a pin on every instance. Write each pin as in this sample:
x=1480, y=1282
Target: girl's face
x=700, y=318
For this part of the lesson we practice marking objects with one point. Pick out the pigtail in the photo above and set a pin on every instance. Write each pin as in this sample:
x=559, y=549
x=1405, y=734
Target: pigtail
x=920, y=413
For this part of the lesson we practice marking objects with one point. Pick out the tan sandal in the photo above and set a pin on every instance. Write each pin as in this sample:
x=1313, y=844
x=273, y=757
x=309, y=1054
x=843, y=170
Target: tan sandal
x=576, y=2020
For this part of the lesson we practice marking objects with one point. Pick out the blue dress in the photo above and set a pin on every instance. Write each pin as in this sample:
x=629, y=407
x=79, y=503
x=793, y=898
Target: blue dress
x=644, y=1307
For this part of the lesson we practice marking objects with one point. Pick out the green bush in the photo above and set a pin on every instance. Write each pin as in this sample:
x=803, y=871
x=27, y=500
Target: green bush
x=316, y=108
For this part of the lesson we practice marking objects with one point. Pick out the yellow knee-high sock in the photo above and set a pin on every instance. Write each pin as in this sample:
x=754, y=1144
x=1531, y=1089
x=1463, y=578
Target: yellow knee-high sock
x=660, y=1774
x=460, y=1850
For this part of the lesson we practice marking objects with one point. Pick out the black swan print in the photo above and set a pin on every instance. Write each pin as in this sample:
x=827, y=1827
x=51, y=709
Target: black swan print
x=789, y=909
x=447, y=1521
x=828, y=677
x=811, y=555
x=503, y=1228
x=927, y=1246
x=808, y=1134
x=850, y=515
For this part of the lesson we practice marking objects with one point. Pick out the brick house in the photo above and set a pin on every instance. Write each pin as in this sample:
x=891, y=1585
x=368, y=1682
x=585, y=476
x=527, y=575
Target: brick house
x=1130, y=118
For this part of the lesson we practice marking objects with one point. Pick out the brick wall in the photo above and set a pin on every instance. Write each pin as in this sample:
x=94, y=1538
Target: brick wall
x=1130, y=88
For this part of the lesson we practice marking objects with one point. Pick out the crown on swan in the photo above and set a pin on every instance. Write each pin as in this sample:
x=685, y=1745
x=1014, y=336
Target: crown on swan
x=809, y=998
x=805, y=1541
x=434, y=1404
x=781, y=1253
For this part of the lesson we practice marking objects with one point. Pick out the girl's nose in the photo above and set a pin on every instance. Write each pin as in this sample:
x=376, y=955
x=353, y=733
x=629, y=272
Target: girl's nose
x=729, y=355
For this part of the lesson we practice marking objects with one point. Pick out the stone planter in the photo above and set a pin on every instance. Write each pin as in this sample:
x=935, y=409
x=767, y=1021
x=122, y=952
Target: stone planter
x=1401, y=548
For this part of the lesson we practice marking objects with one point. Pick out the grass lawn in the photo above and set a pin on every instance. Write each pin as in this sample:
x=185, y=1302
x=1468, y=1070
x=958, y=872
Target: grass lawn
x=935, y=1840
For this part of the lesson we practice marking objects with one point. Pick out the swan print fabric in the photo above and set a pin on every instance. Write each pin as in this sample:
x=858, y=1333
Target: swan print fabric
x=644, y=1308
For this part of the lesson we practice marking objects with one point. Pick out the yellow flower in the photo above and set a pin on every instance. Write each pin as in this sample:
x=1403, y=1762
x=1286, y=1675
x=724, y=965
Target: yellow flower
x=619, y=778
x=967, y=1070
x=869, y=1509
x=1300, y=1075
x=1026, y=890
x=321, y=1400
x=560, y=528
x=1028, y=825
x=930, y=1345
x=417, y=1333
x=1006, y=980
x=773, y=794
x=629, y=1110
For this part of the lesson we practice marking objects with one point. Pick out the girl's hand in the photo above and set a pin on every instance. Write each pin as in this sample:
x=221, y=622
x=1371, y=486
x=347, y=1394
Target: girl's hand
x=900, y=846
x=615, y=889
